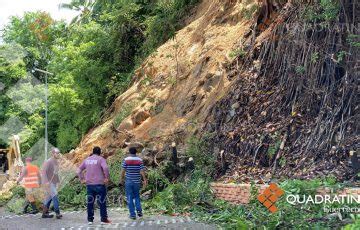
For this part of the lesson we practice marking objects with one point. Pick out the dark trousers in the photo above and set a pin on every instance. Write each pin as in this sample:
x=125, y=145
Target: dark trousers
x=96, y=192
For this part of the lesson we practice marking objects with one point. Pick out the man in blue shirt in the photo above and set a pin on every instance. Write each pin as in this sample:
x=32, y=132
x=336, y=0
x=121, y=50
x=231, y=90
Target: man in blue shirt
x=133, y=170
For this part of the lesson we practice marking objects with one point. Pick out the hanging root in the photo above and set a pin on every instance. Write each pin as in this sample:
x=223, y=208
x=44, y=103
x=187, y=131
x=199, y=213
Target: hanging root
x=299, y=108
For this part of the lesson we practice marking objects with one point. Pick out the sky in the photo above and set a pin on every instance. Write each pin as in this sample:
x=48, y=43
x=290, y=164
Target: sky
x=18, y=7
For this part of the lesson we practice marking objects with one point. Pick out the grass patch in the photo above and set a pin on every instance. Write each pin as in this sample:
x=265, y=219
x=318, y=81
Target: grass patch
x=124, y=113
x=240, y=52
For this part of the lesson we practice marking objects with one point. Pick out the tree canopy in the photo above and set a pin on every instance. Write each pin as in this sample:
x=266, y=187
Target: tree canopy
x=92, y=59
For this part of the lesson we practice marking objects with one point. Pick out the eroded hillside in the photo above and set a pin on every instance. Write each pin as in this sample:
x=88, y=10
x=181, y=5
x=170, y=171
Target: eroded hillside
x=271, y=95
x=175, y=88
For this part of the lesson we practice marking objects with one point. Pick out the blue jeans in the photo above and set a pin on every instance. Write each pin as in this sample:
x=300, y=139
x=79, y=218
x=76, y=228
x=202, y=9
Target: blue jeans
x=96, y=192
x=52, y=196
x=133, y=193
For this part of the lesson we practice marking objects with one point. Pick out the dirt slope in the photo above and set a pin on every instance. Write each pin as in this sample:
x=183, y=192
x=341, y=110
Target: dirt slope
x=175, y=88
x=276, y=93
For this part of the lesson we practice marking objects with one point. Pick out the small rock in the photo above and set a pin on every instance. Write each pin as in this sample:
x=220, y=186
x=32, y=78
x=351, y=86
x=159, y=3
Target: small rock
x=201, y=83
x=235, y=106
x=140, y=117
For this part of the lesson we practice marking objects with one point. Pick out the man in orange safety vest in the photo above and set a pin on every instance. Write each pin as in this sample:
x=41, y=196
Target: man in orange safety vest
x=31, y=181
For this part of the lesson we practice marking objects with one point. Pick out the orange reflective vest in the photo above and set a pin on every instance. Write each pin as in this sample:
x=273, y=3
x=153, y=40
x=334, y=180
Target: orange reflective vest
x=31, y=179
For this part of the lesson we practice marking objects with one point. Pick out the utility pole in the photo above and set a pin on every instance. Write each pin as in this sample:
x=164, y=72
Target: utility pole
x=46, y=108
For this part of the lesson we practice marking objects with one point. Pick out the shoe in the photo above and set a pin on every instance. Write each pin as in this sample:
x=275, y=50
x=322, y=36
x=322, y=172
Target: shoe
x=44, y=215
x=140, y=214
x=58, y=216
x=90, y=223
x=34, y=212
x=133, y=217
x=107, y=221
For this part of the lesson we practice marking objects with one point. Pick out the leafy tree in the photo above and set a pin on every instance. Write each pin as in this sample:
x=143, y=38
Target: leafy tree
x=93, y=60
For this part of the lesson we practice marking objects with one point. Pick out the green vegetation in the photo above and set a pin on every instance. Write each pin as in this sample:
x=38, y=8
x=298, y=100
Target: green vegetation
x=146, y=81
x=93, y=60
x=314, y=57
x=13, y=200
x=237, y=53
x=300, y=70
x=340, y=56
x=180, y=197
x=124, y=113
x=354, y=40
x=356, y=224
x=248, y=12
x=192, y=194
x=16, y=205
x=197, y=199
x=115, y=166
x=172, y=80
x=325, y=11
x=157, y=108
x=157, y=179
x=204, y=159
x=16, y=192
x=73, y=195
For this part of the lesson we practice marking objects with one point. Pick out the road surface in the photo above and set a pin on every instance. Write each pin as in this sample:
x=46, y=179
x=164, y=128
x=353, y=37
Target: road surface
x=77, y=220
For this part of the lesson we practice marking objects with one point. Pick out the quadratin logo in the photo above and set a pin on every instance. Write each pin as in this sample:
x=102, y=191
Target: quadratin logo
x=269, y=197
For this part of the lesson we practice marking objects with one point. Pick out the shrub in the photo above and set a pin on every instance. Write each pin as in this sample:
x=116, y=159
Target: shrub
x=115, y=166
x=356, y=224
x=179, y=197
x=16, y=205
x=326, y=11
x=73, y=195
x=18, y=191
x=164, y=22
x=157, y=180
x=237, y=53
x=202, y=155
x=5, y=197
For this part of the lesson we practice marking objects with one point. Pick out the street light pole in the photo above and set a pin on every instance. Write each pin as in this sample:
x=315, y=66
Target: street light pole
x=46, y=108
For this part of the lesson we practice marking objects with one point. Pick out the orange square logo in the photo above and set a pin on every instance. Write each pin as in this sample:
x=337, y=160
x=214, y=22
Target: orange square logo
x=270, y=196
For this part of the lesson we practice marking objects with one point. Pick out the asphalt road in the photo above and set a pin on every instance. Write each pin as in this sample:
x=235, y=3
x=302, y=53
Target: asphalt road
x=77, y=220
